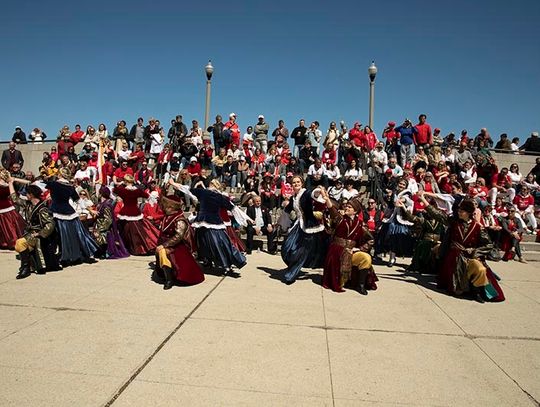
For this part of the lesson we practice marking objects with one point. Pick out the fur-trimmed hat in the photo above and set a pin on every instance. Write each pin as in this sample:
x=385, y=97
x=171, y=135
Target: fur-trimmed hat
x=356, y=203
x=171, y=203
x=467, y=205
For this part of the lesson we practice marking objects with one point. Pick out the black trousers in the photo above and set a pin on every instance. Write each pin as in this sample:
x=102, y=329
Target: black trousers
x=250, y=230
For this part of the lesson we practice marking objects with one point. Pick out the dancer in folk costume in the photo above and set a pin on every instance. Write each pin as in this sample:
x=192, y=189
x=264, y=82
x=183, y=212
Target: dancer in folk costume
x=111, y=245
x=77, y=245
x=139, y=234
x=395, y=236
x=463, y=252
x=38, y=244
x=306, y=243
x=12, y=224
x=348, y=262
x=214, y=245
x=174, y=254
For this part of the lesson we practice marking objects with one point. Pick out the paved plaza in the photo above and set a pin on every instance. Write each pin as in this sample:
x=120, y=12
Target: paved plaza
x=106, y=334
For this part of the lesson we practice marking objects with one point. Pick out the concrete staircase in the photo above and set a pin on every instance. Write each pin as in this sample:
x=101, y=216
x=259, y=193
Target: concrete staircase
x=530, y=249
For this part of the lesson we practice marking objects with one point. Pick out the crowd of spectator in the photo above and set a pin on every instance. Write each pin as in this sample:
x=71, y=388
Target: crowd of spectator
x=260, y=163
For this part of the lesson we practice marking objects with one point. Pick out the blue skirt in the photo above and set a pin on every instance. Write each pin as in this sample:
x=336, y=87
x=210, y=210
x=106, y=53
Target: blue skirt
x=397, y=238
x=302, y=249
x=215, y=245
x=75, y=241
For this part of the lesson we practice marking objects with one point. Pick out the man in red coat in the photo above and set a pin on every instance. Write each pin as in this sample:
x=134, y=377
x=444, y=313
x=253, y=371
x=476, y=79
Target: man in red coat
x=174, y=255
x=348, y=260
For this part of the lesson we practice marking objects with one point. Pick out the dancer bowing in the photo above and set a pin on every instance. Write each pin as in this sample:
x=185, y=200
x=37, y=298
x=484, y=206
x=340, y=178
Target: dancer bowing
x=174, y=255
x=139, y=234
x=306, y=243
x=348, y=262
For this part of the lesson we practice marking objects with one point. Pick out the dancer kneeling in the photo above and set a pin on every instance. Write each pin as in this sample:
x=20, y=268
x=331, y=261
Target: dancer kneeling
x=463, y=258
x=348, y=262
x=37, y=247
x=174, y=254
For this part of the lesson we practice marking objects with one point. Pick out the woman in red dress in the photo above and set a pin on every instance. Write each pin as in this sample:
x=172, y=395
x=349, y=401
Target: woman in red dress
x=138, y=233
x=11, y=222
x=174, y=255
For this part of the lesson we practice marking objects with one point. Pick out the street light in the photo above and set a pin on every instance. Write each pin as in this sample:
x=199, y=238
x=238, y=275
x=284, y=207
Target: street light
x=372, y=70
x=209, y=69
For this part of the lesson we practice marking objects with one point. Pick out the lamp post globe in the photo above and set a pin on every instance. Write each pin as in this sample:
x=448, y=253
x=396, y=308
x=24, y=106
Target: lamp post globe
x=372, y=71
x=209, y=70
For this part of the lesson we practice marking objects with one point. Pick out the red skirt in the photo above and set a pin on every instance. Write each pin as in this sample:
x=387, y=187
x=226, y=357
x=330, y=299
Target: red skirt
x=140, y=236
x=12, y=227
x=186, y=269
x=235, y=239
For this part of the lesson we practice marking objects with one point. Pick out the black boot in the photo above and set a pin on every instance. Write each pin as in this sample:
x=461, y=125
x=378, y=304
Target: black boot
x=362, y=277
x=24, y=271
x=477, y=294
x=169, y=278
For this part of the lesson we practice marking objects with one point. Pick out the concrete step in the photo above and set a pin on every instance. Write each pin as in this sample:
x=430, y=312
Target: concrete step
x=531, y=257
x=528, y=238
x=530, y=246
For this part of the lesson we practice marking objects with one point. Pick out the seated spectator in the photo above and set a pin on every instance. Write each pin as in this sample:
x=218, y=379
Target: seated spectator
x=151, y=209
x=501, y=186
x=77, y=136
x=262, y=225
x=19, y=137
x=258, y=161
x=349, y=192
x=316, y=175
x=511, y=236
x=491, y=223
x=194, y=167
x=532, y=144
x=397, y=171
x=329, y=154
x=242, y=171
x=229, y=172
x=37, y=136
x=478, y=191
x=524, y=202
x=143, y=176
x=137, y=157
x=332, y=173
x=121, y=172
x=85, y=176
x=268, y=192
x=515, y=176
x=468, y=173
x=379, y=157
x=335, y=192
x=306, y=156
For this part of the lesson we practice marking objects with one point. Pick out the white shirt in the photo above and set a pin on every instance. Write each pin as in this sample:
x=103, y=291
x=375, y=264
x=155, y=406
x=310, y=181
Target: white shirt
x=259, y=221
x=314, y=171
x=348, y=194
x=353, y=173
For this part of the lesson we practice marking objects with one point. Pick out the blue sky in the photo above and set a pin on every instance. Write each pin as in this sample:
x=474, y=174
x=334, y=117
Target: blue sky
x=466, y=64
